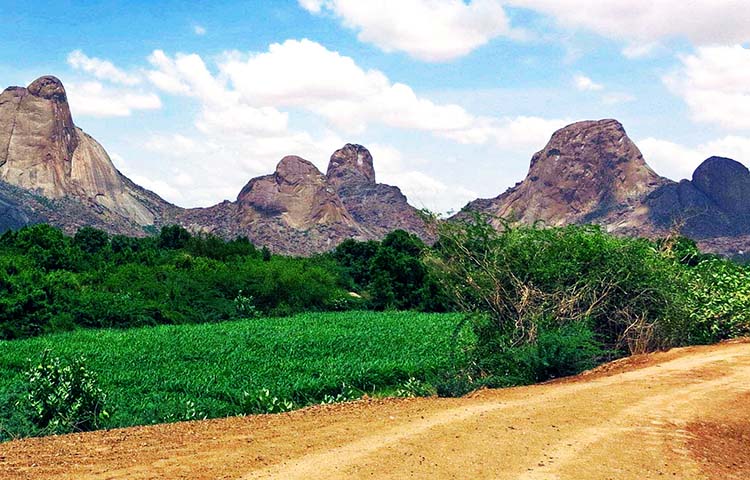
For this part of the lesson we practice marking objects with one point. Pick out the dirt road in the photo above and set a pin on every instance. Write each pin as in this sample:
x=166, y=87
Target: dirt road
x=682, y=414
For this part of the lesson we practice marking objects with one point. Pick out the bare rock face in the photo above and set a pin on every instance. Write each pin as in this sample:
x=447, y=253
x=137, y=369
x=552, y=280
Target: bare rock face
x=298, y=193
x=726, y=182
x=294, y=210
x=379, y=208
x=715, y=204
x=351, y=164
x=589, y=172
x=43, y=151
x=299, y=210
x=37, y=137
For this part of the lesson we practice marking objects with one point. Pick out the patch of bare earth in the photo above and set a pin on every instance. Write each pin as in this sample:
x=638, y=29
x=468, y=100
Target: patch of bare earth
x=722, y=444
x=681, y=414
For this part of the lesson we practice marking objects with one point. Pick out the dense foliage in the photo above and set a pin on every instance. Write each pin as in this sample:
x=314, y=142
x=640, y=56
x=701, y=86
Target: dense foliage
x=181, y=372
x=391, y=273
x=50, y=282
x=547, y=302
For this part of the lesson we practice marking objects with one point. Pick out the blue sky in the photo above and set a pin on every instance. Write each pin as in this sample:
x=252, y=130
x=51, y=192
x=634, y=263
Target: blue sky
x=192, y=99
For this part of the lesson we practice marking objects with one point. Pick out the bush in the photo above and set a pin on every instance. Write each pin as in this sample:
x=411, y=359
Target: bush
x=630, y=294
x=719, y=300
x=557, y=352
x=62, y=398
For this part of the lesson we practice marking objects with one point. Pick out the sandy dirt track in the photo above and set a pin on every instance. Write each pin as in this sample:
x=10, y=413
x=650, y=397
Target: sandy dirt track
x=683, y=414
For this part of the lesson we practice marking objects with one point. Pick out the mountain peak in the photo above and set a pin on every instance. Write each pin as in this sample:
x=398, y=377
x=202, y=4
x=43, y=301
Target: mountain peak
x=587, y=171
x=42, y=150
x=351, y=164
x=296, y=170
x=48, y=87
x=726, y=182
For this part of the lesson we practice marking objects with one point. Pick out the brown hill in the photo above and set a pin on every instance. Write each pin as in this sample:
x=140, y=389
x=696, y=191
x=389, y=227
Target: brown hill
x=299, y=210
x=377, y=207
x=41, y=150
x=591, y=172
x=51, y=171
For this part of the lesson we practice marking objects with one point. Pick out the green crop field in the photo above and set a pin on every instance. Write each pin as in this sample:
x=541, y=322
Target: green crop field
x=169, y=373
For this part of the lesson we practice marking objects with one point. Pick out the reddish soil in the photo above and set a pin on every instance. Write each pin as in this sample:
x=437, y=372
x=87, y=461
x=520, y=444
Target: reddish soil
x=682, y=414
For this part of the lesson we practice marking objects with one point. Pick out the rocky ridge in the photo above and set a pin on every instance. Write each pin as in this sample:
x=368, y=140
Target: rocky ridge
x=51, y=171
x=591, y=172
x=299, y=210
x=42, y=151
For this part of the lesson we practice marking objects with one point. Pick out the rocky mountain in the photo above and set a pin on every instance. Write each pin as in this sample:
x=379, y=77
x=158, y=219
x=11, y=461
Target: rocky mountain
x=591, y=172
x=293, y=210
x=299, y=210
x=43, y=152
x=51, y=171
x=378, y=207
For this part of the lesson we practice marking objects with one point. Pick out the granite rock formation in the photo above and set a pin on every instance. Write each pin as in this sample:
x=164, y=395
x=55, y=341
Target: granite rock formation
x=379, y=208
x=299, y=210
x=591, y=172
x=41, y=150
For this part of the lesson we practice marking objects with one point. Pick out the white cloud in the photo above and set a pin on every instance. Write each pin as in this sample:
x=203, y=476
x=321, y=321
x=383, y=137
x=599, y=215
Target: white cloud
x=101, y=69
x=715, y=84
x=223, y=109
x=97, y=100
x=670, y=159
x=584, y=83
x=642, y=24
x=199, y=30
x=430, y=30
x=513, y=133
x=249, y=91
x=677, y=161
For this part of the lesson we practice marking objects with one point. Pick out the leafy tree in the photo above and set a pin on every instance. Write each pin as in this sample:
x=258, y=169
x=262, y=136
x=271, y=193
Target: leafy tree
x=91, y=240
x=173, y=237
x=356, y=257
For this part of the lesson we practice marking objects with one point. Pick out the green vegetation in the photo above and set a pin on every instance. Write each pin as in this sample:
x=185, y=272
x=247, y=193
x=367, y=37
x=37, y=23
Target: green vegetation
x=62, y=398
x=534, y=304
x=51, y=283
x=549, y=302
x=169, y=373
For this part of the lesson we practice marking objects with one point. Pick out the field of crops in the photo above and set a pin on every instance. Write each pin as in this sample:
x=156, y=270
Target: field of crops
x=170, y=373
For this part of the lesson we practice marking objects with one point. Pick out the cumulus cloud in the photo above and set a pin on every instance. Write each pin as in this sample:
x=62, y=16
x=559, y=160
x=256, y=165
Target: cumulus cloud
x=101, y=69
x=715, y=84
x=642, y=24
x=249, y=92
x=677, y=161
x=97, y=100
x=107, y=90
x=584, y=83
x=430, y=30
x=199, y=30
